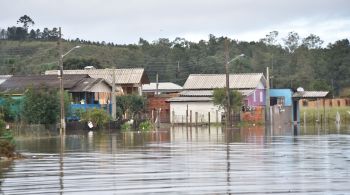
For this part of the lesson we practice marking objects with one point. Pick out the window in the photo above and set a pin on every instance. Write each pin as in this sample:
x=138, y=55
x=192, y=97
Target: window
x=261, y=97
x=254, y=97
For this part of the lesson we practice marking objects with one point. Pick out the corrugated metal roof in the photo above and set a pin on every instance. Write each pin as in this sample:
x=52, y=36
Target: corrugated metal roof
x=21, y=83
x=3, y=78
x=88, y=85
x=163, y=86
x=190, y=99
x=208, y=93
x=122, y=76
x=310, y=94
x=237, y=81
x=197, y=93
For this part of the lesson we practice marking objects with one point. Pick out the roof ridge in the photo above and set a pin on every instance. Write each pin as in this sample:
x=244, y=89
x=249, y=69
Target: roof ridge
x=253, y=73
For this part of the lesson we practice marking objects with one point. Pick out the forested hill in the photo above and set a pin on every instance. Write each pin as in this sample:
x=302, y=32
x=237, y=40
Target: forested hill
x=295, y=63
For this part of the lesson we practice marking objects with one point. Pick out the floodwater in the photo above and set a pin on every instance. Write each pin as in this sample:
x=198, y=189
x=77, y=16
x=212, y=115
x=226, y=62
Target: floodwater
x=183, y=160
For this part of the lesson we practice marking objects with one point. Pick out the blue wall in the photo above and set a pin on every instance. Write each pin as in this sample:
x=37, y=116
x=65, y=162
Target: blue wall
x=286, y=93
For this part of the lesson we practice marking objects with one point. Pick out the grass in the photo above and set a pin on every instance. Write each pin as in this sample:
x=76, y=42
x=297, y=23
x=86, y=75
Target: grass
x=327, y=113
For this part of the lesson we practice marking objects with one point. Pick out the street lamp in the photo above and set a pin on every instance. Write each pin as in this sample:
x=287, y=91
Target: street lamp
x=62, y=114
x=228, y=114
x=76, y=47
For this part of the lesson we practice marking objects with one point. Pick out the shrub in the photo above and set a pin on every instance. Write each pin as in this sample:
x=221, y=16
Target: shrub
x=126, y=127
x=7, y=144
x=98, y=117
x=146, y=125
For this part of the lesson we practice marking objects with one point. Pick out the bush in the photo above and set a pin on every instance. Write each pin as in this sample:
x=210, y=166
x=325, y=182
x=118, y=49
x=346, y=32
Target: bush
x=146, y=125
x=126, y=127
x=98, y=117
x=41, y=106
x=7, y=144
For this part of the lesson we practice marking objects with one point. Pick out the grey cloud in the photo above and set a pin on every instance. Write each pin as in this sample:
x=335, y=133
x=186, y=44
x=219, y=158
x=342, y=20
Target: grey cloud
x=125, y=21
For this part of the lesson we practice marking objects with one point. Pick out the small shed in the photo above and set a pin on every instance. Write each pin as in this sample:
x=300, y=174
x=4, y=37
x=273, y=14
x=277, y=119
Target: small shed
x=284, y=103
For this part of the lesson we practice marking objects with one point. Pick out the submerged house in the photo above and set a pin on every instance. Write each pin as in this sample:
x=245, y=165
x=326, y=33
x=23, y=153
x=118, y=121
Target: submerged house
x=157, y=99
x=196, y=99
x=85, y=92
x=285, y=106
x=127, y=81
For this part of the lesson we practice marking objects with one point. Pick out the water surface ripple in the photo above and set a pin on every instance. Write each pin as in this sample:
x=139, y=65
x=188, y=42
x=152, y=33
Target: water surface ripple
x=181, y=162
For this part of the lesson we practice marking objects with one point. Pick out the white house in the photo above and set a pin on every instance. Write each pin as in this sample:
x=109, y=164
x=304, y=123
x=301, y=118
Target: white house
x=197, y=96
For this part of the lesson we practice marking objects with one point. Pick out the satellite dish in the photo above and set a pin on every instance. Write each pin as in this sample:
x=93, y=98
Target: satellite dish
x=300, y=89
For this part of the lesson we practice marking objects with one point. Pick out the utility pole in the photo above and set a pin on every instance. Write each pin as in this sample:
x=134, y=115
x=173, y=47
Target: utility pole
x=157, y=84
x=267, y=95
x=62, y=114
x=157, y=95
x=114, y=108
x=228, y=109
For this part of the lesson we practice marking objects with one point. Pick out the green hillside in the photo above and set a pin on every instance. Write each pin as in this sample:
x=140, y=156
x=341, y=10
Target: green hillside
x=307, y=65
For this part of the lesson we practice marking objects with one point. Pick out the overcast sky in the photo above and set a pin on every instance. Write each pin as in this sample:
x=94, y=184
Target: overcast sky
x=125, y=21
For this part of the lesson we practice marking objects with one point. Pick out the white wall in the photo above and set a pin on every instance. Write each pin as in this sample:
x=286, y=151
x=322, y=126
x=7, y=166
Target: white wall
x=201, y=107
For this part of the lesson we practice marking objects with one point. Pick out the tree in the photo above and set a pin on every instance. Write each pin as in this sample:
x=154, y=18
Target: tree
x=26, y=21
x=41, y=106
x=32, y=34
x=271, y=38
x=312, y=42
x=292, y=41
x=78, y=63
x=220, y=99
x=16, y=33
x=3, y=34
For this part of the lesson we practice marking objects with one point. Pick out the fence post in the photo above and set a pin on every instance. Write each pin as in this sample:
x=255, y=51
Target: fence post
x=209, y=118
x=173, y=117
x=191, y=118
x=187, y=116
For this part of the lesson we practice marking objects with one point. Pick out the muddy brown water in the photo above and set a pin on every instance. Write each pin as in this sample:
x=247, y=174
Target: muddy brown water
x=181, y=160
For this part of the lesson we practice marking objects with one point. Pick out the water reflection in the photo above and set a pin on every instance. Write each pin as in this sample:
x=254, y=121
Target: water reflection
x=180, y=160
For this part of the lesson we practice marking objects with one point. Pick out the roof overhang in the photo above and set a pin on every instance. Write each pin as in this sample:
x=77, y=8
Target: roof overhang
x=310, y=94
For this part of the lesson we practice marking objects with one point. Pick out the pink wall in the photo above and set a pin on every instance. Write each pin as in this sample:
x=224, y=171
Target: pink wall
x=258, y=100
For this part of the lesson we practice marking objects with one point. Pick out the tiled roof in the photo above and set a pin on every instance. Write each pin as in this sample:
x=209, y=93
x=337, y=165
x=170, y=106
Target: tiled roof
x=211, y=81
x=310, y=94
x=122, y=76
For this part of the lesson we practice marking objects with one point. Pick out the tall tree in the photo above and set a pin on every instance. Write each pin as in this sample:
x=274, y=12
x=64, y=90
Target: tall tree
x=312, y=42
x=292, y=41
x=271, y=38
x=26, y=21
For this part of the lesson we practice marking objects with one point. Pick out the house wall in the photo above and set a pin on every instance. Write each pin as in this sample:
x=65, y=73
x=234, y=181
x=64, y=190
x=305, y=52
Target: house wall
x=257, y=98
x=155, y=103
x=286, y=93
x=282, y=113
x=338, y=102
x=178, y=112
